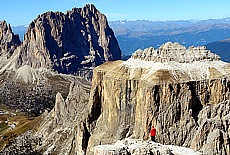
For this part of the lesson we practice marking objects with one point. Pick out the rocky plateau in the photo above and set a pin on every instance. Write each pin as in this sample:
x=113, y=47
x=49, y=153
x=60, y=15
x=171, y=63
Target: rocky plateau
x=187, y=101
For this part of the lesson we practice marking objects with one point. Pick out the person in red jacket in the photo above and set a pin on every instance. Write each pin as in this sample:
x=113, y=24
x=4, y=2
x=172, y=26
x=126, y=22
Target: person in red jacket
x=153, y=134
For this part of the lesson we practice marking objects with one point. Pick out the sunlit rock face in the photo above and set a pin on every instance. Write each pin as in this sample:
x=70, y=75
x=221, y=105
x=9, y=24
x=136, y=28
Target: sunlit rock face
x=68, y=42
x=171, y=61
x=185, y=98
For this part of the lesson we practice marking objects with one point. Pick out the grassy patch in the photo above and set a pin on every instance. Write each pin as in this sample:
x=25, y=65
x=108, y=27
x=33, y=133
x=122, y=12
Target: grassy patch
x=3, y=126
x=24, y=124
x=4, y=117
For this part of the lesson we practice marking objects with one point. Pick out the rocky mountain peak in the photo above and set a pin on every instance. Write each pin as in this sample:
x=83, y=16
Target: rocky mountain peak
x=65, y=42
x=175, y=52
x=90, y=8
x=8, y=40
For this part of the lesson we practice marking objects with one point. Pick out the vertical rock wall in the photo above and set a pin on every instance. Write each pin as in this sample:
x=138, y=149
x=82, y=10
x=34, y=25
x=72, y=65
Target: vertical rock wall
x=193, y=114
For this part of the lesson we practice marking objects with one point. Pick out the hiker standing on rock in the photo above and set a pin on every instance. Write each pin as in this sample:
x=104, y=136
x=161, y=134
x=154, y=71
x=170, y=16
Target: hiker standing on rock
x=153, y=134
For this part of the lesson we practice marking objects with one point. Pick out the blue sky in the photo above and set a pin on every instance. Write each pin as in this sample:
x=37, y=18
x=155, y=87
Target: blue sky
x=21, y=12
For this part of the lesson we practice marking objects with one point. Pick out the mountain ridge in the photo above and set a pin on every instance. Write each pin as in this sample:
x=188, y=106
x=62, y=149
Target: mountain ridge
x=222, y=47
x=154, y=33
x=8, y=40
x=132, y=35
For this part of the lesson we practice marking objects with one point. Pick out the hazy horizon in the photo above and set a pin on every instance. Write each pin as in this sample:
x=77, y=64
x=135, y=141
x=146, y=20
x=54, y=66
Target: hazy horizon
x=26, y=25
x=24, y=11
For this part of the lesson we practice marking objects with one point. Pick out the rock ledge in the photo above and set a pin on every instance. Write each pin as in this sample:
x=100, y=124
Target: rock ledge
x=139, y=147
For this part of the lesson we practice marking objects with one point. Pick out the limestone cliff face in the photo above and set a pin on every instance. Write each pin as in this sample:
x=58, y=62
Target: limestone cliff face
x=193, y=114
x=186, y=112
x=80, y=38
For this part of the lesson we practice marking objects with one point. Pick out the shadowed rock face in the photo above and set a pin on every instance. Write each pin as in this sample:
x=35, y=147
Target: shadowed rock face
x=80, y=38
x=8, y=40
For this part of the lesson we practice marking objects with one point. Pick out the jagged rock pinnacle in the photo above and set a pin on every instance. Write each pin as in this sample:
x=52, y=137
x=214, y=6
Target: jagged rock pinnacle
x=8, y=40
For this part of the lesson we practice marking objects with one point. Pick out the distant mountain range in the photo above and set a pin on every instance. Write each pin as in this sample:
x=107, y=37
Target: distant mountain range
x=221, y=47
x=20, y=30
x=133, y=35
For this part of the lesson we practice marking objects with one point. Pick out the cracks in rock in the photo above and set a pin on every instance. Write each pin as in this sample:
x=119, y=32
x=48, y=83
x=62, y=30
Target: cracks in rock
x=73, y=145
x=171, y=88
x=178, y=88
x=156, y=94
x=96, y=107
x=128, y=91
x=93, y=116
x=194, y=103
x=178, y=112
x=85, y=140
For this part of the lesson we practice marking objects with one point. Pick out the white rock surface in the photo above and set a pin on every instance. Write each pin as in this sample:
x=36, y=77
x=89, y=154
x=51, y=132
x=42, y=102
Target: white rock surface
x=140, y=147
